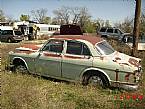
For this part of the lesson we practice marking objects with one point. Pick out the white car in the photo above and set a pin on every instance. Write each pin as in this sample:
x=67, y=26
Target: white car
x=128, y=39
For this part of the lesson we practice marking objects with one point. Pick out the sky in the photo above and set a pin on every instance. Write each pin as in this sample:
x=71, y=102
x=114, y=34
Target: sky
x=112, y=10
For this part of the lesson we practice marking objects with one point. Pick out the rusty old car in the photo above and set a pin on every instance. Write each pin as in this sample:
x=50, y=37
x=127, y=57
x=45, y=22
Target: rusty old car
x=85, y=59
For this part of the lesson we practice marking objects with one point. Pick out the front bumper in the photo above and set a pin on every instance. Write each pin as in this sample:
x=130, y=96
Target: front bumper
x=130, y=87
x=125, y=86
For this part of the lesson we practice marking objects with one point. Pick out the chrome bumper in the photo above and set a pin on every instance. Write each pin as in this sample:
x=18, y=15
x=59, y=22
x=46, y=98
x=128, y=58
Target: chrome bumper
x=125, y=86
x=130, y=87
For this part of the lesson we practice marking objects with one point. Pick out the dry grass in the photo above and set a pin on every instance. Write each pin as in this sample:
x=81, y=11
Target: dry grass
x=32, y=92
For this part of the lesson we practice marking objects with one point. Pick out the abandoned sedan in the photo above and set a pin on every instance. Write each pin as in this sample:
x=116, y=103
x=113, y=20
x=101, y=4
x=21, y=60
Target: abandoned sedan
x=85, y=59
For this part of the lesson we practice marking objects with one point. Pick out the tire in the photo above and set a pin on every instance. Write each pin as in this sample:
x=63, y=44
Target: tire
x=21, y=69
x=19, y=41
x=96, y=80
x=9, y=40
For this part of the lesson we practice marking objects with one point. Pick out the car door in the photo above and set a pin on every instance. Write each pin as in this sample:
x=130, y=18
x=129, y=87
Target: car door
x=75, y=60
x=49, y=59
x=116, y=33
x=110, y=32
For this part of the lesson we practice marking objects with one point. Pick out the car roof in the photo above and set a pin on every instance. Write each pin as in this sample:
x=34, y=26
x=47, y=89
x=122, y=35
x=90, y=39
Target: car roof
x=91, y=39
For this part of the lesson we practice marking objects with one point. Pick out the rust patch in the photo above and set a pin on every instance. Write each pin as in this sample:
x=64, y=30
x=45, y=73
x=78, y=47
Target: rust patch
x=51, y=55
x=74, y=57
x=31, y=46
x=102, y=58
x=127, y=76
x=133, y=62
x=117, y=76
x=25, y=51
x=125, y=64
x=117, y=58
x=90, y=39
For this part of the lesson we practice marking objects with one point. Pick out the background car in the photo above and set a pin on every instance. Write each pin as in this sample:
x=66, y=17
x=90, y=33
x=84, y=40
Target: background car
x=7, y=34
x=128, y=39
x=111, y=32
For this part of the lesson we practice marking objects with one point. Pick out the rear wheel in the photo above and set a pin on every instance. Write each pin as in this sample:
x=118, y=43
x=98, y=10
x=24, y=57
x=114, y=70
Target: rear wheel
x=21, y=69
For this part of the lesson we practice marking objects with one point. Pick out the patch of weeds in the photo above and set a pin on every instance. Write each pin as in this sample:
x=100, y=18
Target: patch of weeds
x=129, y=101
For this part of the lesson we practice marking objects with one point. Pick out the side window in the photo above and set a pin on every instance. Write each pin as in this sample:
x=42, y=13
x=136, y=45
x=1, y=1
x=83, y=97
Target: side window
x=0, y=31
x=74, y=48
x=54, y=46
x=110, y=30
x=77, y=48
x=102, y=29
x=7, y=32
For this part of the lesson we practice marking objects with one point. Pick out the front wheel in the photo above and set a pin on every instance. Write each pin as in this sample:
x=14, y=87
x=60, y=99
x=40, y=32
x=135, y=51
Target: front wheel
x=96, y=79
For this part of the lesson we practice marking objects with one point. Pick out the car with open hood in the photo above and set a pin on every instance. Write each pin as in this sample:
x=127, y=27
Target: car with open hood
x=85, y=59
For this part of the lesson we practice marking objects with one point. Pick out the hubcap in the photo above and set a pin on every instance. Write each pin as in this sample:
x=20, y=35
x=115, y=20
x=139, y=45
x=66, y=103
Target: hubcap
x=21, y=69
x=9, y=40
x=95, y=81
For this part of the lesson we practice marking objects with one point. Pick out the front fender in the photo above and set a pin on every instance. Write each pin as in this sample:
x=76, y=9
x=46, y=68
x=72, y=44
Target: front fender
x=95, y=69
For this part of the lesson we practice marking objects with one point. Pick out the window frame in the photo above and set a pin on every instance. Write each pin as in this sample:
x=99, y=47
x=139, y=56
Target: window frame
x=8, y=31
x=82, y=47
x=110, y=29
x=42, y=50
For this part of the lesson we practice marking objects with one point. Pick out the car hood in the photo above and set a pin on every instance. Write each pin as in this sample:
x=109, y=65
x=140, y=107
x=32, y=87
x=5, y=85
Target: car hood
x=124, y=59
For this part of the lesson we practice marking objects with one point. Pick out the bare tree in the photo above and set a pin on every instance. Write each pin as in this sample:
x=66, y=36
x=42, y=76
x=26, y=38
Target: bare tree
x=72, y=15
x=83, y=17
x=142, y=24
x=126, y=25
x=62, y=15
x=39, y=15
x=75, y=12
x=2, y=17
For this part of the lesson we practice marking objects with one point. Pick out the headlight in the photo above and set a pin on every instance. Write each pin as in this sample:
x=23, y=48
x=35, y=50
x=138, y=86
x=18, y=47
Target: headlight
x=140, y=69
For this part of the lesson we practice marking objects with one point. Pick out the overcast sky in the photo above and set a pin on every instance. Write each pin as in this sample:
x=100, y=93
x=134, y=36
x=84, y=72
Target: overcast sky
x=112, y=10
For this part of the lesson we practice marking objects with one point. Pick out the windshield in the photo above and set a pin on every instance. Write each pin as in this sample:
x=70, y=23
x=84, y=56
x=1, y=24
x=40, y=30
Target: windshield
x=18, y=33
x=104, y=48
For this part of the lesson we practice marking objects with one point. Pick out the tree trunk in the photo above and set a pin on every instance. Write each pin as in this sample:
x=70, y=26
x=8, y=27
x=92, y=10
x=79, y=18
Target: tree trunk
x=136, y=27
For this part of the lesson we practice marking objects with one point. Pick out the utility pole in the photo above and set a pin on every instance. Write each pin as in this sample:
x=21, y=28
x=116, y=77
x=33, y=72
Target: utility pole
x=136, y=27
